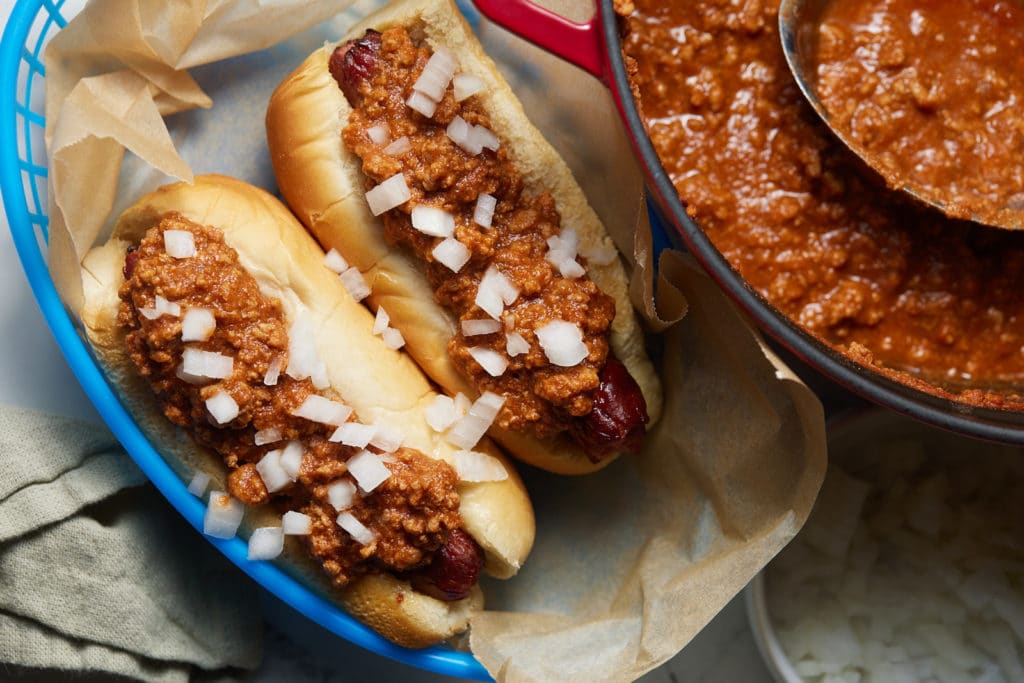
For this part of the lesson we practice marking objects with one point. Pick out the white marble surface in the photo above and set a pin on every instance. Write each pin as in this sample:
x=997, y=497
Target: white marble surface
x=33, y=373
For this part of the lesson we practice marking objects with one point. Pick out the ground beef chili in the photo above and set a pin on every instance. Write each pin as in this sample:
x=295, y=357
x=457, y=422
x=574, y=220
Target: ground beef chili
x=805, y=223
x=931, y=90
x=413, y=513
x=376, y=74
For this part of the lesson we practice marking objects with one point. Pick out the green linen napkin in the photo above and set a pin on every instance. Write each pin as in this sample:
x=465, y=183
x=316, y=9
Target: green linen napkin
x=99, y=575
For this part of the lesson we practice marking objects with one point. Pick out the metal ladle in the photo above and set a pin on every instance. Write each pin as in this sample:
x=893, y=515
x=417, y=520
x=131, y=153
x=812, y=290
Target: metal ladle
x=798, y=30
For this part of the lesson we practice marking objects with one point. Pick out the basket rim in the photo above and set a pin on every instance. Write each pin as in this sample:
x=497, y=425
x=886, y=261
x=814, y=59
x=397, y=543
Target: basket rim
x=438, y=659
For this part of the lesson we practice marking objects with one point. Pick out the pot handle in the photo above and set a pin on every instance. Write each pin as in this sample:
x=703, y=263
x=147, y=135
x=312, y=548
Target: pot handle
x=580, y=44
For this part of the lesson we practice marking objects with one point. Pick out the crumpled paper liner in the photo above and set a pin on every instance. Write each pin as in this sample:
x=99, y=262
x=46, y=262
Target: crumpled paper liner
x=630, y=563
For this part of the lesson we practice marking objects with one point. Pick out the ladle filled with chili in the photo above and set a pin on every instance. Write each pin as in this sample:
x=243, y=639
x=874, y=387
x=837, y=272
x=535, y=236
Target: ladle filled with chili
x=927, y=92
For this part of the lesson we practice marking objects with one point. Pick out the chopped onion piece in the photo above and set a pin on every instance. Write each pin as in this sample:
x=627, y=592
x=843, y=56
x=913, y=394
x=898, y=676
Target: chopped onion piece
x=355, y=528
x=266, y=543
x=437, y=74
x=440, y=414
x=296, y=523
x=197, y=325
x=355, y=284
x=222, y=407
x=491, y=361
x=325, y=411
x=495, y=292
x=433, y=220
x=179, y=243
x=472, y=328
x=467, y=85
x=562, y=343
x=483, y=214
x=368, y=470
x=468, y=430
x=354, y=434
x=223, y=515
x=319, y=377
x=206, y=364
x=461, y=133
x=601, y=256
x=386, y=439
x=562, y=247
x=269, y=435
x=381, y=321
x=393, y=339
x=180, y=373
x=475, y=466
x=488, y=405
x=483, y=138
x=341, y=494
x=335, y=262
x=291, y=459
x=421, y=103
x=197, y=487
x=273, y=372
x=273, y=475
x=389, y=194
x=303, y=360
x=516, y=344
x=161, y=307
x=571, y=269
x=462, y=404
x=452, y=253
x=398, y=147
x=378, y=134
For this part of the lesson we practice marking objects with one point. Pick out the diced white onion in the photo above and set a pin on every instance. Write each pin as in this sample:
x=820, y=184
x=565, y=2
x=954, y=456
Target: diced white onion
x=481, y=137
x=354, y=434
x=471, y=328
x=161, y=307
x=179, y=243
x=562, y=343
x=393, y=339
x=562, y=247
x=461, y=133
x=291, y=459
x=197, y=487
x=440, y=414
x=222, y=407
x=389, y=194
x=208, y=364
x=296, y=523
x=266, y=543
x=491, y=361
x=495, y=292
x=378, y=134
x=421, y=103
x=571, y=269
x=273, y=372
x=355, y=284
x=386, y=439
x=319, y=377
x=488, y=405
x=466, y=85
x=355, y=528
x=475, y=466
x=469, y=429
x=180, y=373
x=451, y=253
x=341, y=494
x=269, y=435
x=516, y=344
x=223, y=515
x=437, y=74
x=381, y=321
x=273, y=475
x=368, y=470
x=462, y=404
x=303, y=360
x=433, y=220
x=398, y=147
x=335, y=262
x=197, y=325
x=601, y=256
x=325, y=411
x=483, y=214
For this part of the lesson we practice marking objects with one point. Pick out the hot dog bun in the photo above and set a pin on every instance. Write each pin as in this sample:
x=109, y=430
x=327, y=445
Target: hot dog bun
x=323, y=184
x=381, y=385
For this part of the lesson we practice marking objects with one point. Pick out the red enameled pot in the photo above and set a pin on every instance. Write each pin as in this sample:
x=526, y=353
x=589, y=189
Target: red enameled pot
x=595, y=47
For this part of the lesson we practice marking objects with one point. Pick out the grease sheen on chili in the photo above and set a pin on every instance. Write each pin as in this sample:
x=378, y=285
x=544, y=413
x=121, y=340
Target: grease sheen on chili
x=802, y=219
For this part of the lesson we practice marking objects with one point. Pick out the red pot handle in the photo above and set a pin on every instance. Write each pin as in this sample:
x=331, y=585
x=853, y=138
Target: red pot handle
x=580, y=44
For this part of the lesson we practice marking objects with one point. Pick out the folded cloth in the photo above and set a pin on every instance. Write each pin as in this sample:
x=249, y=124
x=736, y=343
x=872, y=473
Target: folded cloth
x=99, y=575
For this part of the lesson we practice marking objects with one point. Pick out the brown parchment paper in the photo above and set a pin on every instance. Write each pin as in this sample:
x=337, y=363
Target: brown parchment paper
x=629, y=563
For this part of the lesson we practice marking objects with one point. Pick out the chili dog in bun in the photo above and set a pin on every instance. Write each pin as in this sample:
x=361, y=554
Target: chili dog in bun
x=404, y=148
x=239, y=352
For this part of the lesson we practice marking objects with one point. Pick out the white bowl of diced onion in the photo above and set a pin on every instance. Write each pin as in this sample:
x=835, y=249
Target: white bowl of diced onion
x=910, y=568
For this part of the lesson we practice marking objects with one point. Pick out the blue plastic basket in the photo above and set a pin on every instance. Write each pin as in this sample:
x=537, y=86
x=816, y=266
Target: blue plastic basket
x=23, y=183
